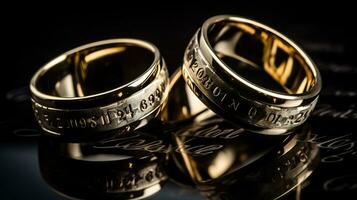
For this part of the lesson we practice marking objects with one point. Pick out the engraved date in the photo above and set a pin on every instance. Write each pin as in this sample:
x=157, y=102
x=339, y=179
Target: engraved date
x=293, y=119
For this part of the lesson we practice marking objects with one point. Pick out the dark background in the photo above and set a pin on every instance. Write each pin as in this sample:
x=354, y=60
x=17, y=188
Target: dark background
x=34, y=34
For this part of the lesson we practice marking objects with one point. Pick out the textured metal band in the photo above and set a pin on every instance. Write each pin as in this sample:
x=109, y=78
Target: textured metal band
x=126, y=107
x=231, y=101
x=116, y=115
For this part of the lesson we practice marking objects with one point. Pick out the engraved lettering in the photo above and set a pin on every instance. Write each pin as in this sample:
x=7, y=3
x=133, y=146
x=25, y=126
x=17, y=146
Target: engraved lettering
x=104, y=117
x=198, y=149
x=202, y=76
x=299, y=117
x=224, y=96
x=291, y=163
x=234, y=104
x=143, y=105
x=338, y=147
x=46, y=118
x=82, y=123
x=234, y=134
x=279, y=120
x=36, y=113
x=59, y=123
x=113, y=113
x=158, y=94
x=215, y=132
x=135, y=143
x=216, y=91
x=326, y=110
x=205, y=150
x=72, y=123
x=121, y=116
x=200, y=73
x=129, y=110
x=92, y=123
x=162, y=87
x=194, y=65
x=252, y=112
x=157, y=146
x=208, y=83
x=270, y=117
x=151, y=99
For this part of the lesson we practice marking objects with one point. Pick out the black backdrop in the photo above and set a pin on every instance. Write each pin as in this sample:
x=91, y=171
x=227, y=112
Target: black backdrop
x=32, y=35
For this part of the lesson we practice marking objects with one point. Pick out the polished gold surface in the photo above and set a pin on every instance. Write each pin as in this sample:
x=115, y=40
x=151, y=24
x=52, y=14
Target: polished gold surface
x=183, y=105
x=99, y=87
x=225, y=161
x=93, y=71
x=249, y=49
x=251, y=74
x=100, y=170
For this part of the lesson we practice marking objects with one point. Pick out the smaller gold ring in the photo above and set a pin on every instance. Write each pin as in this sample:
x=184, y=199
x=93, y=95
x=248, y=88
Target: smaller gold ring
x=102, y=86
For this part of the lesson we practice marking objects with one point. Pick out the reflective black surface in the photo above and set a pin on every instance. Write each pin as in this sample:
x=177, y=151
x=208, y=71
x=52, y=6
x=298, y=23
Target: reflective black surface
x=319, y=163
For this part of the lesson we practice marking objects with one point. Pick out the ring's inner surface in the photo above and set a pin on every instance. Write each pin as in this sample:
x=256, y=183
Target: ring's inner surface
x=261, y=57
x=95, y=70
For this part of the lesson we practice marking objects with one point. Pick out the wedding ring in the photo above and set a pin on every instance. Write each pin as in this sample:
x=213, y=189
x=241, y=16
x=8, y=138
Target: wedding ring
x=102, y=86
x=249, y=73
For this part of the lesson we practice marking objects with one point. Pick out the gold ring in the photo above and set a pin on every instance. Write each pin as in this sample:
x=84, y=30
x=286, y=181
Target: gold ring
x=249, y=73
x=99, y=87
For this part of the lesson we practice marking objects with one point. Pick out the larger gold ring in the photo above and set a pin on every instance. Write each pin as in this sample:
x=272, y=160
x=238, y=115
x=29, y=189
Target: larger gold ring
x=251, y=74
x=102, y=86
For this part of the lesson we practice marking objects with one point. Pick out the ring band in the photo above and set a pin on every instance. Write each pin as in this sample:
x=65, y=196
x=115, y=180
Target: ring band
x=102, y=86
x=227, y=63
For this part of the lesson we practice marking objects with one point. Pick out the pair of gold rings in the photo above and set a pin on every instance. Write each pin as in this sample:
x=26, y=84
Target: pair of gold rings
x=244, y=71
